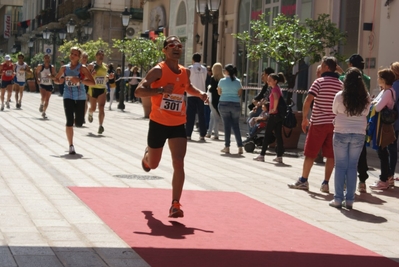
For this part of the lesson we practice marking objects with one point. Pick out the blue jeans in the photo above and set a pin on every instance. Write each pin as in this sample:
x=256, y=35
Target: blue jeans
x=230, y=113
x=347, y=149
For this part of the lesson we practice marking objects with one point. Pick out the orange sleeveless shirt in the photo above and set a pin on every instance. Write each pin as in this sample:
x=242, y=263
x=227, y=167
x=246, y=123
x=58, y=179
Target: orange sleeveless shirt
x=170, y=110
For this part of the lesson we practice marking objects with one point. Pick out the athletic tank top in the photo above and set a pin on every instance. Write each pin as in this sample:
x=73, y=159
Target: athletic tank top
x=8, y=72
x=170, y=110
x=44, y=76
x=20, y=72
x=73, y=90
x=100, y=76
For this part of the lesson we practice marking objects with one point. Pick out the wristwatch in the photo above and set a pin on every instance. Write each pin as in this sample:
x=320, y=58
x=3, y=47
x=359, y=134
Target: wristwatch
x=160, y=90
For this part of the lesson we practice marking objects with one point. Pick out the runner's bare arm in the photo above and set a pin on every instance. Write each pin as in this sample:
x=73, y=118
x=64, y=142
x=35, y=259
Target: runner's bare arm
x=59, y=78
x=144, y=88
x=89, y=80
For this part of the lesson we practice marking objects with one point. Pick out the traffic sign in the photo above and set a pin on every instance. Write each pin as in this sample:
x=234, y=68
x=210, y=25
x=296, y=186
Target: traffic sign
x=48, y=49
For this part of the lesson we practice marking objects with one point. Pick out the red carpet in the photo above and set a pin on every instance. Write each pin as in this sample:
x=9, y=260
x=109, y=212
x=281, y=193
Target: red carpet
x=219, y=229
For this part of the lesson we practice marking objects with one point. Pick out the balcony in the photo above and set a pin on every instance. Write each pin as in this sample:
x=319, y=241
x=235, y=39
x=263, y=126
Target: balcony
x=79, y=8
x=137, y=13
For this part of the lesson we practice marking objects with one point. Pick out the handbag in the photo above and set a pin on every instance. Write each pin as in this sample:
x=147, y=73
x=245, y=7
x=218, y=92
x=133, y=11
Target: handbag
x=389, y=116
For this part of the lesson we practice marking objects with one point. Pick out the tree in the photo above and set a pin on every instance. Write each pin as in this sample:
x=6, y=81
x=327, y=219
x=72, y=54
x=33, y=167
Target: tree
x=290, y=42
x=89, y=47
x=142, y=52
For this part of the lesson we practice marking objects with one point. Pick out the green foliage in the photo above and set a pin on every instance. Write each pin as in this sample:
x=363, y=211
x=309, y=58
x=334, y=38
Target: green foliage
x=37, y=59
x=141, y=52
x=89, y=47
x=289, y=42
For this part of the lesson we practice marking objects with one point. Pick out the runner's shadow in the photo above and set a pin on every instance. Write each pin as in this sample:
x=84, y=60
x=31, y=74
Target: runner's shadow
x=95, y=135
x=175, y=231
x=68, y=156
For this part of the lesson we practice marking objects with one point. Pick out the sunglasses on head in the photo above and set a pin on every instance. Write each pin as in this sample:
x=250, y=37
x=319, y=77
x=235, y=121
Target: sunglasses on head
x=173, y=45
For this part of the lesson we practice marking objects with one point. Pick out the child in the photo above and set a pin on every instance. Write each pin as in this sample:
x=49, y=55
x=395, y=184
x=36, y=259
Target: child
x=257, y=122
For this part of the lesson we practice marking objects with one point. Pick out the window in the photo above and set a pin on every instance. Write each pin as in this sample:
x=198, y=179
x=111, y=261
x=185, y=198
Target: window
x=181, y=15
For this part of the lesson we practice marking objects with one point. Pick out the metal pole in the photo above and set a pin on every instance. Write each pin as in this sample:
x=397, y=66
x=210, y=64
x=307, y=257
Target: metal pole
x=54, y=41
x=205, y=59
x=121, y=104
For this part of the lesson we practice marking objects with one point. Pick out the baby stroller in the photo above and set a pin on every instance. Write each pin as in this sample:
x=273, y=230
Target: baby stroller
x=256, y=140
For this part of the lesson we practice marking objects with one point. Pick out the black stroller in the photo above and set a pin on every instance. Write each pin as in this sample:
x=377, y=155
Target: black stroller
x=256, y=140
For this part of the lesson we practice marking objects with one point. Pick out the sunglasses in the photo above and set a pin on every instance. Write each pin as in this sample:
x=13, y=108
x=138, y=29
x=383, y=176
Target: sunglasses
x=173, y=45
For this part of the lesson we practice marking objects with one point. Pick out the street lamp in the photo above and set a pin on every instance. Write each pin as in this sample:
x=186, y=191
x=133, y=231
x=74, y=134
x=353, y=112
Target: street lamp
x=209, y=12
x=87, y=29
x=125, y=22
x=30, y=45
x=71, y=26
x=47, y=34
x=14, y=49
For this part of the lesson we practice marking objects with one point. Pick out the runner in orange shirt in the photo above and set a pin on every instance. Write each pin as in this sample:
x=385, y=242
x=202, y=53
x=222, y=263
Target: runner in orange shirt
x=166, y=84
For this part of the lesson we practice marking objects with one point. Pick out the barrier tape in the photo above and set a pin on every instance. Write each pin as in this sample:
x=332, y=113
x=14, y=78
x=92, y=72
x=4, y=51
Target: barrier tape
x=282, y=89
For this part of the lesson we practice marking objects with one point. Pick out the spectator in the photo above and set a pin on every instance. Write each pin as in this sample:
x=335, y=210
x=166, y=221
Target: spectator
x=194, y=104
x=362, y=167
x=380, y=132
x=207, y=109
x=351, y=105
x=230, y=90
x=275, y=122
x=320, y=132
x=393, y=153
x=217, y=71
x=135, y=74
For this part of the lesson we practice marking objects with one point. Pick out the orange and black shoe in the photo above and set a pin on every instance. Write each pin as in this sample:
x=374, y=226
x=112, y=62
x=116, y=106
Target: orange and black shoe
x=145, y=167
x=175, y=211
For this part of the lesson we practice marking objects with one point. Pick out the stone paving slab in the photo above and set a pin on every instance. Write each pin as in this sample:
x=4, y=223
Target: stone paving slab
x=42, y=223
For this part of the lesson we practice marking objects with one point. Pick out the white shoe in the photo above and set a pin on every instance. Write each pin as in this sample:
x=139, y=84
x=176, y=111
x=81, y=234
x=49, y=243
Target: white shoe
x=278, y=159
x=225, y=150
x=379, y=185
x=259, y=158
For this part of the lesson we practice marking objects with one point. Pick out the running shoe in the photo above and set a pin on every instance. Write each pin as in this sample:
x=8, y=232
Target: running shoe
x=8, y=104
x=278, y=159
x=175, y=211
x=145, y=167
x=72, y=150
x=379, y=185
x=44, y=115
x=41, y=108
x=299, y=185
x=100, y=130
x=90, y=117
x=2, y=107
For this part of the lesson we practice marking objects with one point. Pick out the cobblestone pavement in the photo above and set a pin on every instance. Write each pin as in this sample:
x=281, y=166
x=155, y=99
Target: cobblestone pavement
x=42, y=223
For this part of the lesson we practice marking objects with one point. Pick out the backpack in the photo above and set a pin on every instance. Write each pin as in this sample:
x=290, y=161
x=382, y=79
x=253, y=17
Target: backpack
x=282, y=107
x=289, y=122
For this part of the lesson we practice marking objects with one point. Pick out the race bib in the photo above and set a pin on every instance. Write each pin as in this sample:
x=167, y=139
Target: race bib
x=9, y=72
x=100, y=80
x=69, y=83
x=45, y=80
x=173, y=102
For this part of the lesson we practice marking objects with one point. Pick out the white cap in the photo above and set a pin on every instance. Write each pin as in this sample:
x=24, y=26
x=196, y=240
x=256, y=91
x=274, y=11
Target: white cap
x=7, y=57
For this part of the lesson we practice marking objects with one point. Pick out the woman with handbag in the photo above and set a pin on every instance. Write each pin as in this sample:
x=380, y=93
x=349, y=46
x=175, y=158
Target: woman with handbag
x=275, y=120
x=383, y=133
x=351, y=106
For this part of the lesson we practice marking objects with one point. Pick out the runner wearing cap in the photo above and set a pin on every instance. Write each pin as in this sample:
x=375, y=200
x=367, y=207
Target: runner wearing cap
x=7, y=76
